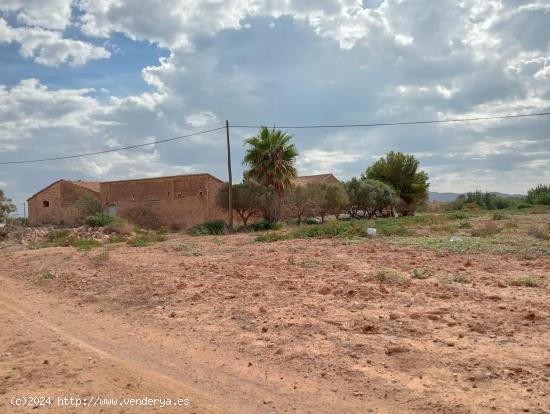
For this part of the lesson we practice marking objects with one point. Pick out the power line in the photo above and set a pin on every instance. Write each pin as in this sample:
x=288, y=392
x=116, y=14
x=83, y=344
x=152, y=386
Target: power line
x=442, y=121
x=379, y=124
x=64, y=157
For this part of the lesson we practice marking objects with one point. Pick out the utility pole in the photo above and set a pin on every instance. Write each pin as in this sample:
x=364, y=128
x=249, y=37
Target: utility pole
x=230, y=181
x=24, y=210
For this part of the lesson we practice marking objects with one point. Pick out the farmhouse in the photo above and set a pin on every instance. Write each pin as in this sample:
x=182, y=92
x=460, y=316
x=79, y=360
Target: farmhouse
x=179, y=201
x=304, y=180
x=56, y=204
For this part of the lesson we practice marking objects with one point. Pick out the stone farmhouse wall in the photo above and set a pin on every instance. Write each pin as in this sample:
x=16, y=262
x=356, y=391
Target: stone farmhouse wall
x=177, y=202
x=56, y=204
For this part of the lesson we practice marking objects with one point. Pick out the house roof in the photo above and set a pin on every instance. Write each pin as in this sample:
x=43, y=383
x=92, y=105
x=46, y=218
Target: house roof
x=163, y=177
x=88, y=185
x=313, y=179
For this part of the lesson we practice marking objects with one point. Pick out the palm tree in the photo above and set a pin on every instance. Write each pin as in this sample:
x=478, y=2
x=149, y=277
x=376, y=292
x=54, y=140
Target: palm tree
x=270, y=159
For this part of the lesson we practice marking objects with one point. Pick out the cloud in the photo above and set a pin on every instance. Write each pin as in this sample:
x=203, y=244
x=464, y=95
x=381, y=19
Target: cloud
x=48, y=47
x=50, y=14
x=291, y=62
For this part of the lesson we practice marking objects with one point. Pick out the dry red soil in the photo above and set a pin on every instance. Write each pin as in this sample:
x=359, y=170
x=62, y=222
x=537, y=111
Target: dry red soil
x=294, y=326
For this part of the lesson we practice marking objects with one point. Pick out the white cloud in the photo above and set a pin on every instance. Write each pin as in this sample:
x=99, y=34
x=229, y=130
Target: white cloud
x=48, y=14
x=48, y=47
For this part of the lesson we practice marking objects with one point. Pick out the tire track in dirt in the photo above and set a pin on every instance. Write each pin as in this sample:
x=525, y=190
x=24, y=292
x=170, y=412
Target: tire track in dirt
x=167, y=383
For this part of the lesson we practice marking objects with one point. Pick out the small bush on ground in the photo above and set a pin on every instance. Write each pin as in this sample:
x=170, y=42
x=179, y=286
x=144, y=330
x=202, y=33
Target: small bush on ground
x=499, y=215
x=263, y=225
x=462, y=279
x=88, y=205
x=527, y=281
x=420, y=274
x=119, y=226
x=98, y=220
x=465, y=225
x=209, y=227
x=486, y=230
x=541, y=232
x=390, y=277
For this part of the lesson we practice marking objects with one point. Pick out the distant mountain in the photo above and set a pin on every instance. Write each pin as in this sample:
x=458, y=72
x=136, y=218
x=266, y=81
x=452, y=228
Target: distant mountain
x=435, y=196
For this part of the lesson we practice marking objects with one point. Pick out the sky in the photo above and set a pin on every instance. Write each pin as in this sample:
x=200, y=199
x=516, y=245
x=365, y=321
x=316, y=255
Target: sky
x=89, y=75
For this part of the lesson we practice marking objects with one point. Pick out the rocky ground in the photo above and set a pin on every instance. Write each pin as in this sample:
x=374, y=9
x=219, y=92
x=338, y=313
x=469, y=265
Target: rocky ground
x=321, y=325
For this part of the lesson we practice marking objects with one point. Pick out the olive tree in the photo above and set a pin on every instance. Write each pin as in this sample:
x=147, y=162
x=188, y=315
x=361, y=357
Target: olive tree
x=368, y=198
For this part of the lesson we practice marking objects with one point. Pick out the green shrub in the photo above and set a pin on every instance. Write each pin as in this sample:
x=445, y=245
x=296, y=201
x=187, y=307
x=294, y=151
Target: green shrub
x=61, y=237
x=395, y=230
x=98, y=220
x=420, y=274
x=310, y=221
x=527, y=281
x=521, y=206
x=458, y=215
x=462, y=279
x=208, y=227
x=119, y=226
x=390, y=277
x=465, y=225
x=263, y=225
x=88, y=205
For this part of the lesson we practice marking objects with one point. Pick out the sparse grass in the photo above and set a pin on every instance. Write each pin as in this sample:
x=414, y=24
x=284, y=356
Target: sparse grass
x=458, y=215
x=270, y=237
x=85, y=244
x=65, y=238
x=540, y=232
x=146, y=237
x=308, y=262
x=117, y=238
x=502, y=244
x=485, y=230
x=420, y=274
x=192, y=254
x=100, y=259
x=500, y=215
x=48, y=275
x=186, y=245
x=462, y=279
x=526, y=281
x=465, y=225
x=391, y=277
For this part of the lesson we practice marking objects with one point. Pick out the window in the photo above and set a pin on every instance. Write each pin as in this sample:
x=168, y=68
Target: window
x=45, y=203
x=201, y=193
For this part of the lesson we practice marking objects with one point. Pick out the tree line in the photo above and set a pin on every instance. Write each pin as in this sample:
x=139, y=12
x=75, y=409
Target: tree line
x=392, y=185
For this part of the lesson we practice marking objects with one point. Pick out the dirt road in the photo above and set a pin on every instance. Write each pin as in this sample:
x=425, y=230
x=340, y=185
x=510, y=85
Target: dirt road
x=295, y=326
